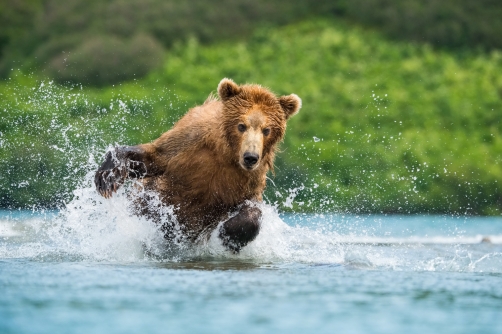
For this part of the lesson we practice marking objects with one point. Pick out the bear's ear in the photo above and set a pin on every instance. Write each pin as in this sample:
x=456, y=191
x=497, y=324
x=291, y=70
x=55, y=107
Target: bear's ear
x=291, y=104
x=227, y=89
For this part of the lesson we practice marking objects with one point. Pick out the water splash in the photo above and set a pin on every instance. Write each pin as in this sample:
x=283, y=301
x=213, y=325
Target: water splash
x=91, y=228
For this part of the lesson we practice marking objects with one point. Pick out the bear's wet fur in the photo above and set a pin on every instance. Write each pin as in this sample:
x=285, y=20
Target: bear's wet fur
x=213, y=161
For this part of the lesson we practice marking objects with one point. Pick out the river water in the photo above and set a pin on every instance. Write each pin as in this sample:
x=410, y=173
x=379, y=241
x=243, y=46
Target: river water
x=95, y=268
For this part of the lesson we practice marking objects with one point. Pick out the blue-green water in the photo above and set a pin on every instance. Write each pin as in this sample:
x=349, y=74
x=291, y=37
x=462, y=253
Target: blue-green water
x=94, y=268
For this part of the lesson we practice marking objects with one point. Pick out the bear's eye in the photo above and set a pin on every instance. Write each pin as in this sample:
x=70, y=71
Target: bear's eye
x=266, y=131
x=241, y=127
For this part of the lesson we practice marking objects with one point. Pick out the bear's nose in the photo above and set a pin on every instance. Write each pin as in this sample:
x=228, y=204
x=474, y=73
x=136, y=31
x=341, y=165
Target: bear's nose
x=250, y=159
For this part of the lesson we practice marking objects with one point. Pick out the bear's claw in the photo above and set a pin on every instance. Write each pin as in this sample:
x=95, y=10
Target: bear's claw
x=120, y=163
x=108, y=181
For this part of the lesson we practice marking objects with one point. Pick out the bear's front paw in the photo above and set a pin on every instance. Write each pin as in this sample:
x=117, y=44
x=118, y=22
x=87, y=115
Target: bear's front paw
x=241, y=229
x=108, y=181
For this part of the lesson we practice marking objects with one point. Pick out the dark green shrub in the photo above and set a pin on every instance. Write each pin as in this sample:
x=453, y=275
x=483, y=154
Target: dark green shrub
x=107, y=60
x=444, y=23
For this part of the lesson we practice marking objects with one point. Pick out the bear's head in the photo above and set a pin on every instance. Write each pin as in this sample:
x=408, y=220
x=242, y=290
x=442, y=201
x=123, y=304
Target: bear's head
x=254, y=121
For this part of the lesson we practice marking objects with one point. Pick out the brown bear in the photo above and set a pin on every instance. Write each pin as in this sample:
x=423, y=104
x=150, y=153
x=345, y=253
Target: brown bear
x=212, y=162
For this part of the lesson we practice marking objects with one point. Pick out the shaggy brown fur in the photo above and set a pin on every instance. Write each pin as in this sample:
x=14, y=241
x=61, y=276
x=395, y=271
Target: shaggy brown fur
x=214, y=158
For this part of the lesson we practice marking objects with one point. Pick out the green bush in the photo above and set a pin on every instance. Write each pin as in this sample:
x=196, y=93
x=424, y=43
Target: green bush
x=106, y=60
x=445, y=23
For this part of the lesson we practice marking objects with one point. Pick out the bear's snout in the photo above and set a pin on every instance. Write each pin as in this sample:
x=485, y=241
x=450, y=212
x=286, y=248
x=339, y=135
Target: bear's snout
x=250, y=159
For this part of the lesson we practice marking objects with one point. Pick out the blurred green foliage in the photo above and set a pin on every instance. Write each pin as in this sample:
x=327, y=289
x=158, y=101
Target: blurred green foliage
x=104, y=42
x=76, y=40
x=385, y=126
x=443, y=23
x=104, y=60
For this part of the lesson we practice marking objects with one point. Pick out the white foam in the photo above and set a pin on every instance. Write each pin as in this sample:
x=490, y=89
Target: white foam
x=92, y=228
x=7, y=229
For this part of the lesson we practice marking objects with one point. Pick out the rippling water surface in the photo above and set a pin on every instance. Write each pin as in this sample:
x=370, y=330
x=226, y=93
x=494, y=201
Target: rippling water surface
x=95, y=268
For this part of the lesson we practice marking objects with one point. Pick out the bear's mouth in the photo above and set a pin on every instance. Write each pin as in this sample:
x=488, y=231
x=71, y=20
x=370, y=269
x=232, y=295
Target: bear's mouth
x=248, y=167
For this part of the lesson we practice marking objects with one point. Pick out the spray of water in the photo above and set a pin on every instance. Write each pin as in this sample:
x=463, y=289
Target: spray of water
x=87, y=227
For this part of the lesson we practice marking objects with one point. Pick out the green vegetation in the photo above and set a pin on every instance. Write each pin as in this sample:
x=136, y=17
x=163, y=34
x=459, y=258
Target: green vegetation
x=446, y=23
x=75, y=40
x=385, y=126
x=105, y=42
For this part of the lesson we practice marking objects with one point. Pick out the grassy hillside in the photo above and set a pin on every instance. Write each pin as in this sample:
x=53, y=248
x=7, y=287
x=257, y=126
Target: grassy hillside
x=101, y=43
x=385, y=126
